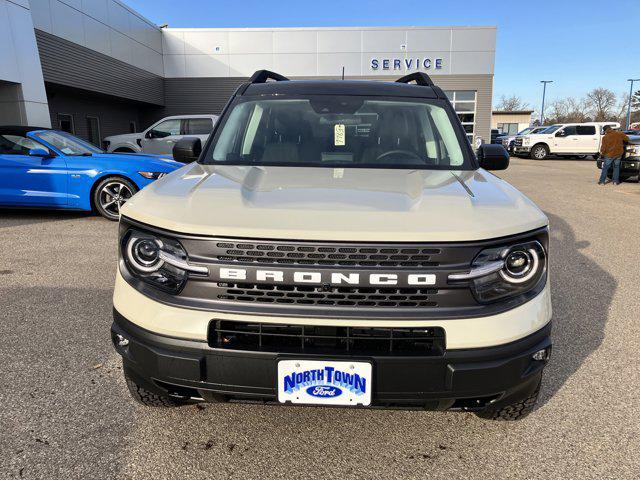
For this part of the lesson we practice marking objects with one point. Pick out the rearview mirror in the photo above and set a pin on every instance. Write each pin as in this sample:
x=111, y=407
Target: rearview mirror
x=187, y=150
x=493, y=157
x=39, y=152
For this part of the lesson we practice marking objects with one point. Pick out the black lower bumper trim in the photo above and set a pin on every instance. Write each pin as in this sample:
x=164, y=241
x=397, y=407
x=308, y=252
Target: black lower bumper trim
x=456, y=379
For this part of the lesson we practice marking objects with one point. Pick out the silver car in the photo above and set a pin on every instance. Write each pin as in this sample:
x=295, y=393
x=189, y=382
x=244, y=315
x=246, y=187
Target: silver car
x=160, y=137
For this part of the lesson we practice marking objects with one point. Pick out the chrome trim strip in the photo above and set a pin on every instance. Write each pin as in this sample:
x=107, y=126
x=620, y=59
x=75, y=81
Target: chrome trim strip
x=487, y=269
x=181, y=264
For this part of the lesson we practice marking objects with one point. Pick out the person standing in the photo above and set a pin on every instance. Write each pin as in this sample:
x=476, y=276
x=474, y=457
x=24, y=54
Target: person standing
x=612, y=149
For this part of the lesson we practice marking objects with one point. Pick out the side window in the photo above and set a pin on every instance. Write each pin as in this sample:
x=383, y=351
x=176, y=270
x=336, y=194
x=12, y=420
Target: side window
x=166, y=128
x=586, y=129
x=570, y=130
x=199, y=126
x=18, y=145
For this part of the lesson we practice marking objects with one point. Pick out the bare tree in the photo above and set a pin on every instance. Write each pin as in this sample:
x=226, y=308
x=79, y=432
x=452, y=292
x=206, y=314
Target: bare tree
x=511, y=103
x=622, y=108
x=602, y=103
x=567, y=110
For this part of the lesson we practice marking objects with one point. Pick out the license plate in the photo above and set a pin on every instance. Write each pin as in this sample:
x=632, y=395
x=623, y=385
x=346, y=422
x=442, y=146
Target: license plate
x=317, y=382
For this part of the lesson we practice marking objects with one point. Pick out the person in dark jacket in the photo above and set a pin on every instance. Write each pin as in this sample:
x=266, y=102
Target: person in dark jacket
x=612, y=149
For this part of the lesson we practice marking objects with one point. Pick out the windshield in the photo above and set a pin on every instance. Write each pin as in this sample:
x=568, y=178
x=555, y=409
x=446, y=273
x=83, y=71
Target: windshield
x=67, y=144
x=551, y=129
x=340, y=131
x=526, y=130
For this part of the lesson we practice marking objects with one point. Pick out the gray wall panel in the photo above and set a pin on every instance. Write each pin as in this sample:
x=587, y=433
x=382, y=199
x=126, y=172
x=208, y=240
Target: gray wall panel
x=198, y=95
x=72, y=65
x=114, y=114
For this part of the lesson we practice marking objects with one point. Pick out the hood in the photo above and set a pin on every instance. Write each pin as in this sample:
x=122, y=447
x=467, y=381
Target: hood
x=156, y=163
x=634, y=139
x=132, y=137
x=366, y=205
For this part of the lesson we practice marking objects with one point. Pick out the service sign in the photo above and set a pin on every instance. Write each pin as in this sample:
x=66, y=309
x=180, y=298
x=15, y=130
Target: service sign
x=316, y=382
x=406, y=64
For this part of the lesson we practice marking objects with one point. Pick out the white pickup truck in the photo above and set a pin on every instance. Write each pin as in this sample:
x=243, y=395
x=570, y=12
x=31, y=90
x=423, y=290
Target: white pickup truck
x=563, y=140
x=160, y=137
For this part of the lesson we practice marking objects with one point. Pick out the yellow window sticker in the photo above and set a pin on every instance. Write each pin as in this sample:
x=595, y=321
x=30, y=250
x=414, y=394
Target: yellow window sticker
x=339, y=138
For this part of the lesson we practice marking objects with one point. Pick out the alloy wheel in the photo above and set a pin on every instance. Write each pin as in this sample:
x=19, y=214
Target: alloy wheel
x=112, y=196
x=539, y=153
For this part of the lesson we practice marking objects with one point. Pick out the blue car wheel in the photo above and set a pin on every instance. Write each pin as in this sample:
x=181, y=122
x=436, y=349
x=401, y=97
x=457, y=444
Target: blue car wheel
x=110, y=194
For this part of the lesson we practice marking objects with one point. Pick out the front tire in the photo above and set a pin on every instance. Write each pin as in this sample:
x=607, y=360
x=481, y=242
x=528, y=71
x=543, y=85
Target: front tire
x=149, y=399
x=515, y=411
x=539, y=152
x=111, y=194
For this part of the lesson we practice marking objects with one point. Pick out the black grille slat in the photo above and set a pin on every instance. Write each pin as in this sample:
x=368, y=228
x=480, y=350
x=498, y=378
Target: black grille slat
x=424, y=341
x=322, y=255
x=343, y=296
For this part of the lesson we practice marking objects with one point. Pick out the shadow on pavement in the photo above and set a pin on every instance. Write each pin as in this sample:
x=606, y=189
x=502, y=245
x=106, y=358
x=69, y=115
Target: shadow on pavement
x=581, y=295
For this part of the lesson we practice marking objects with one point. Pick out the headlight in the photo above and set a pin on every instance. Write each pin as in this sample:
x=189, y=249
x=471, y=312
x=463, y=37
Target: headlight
x=159, y=261
x=633, y=150
x=152, y=175
x=503, y=272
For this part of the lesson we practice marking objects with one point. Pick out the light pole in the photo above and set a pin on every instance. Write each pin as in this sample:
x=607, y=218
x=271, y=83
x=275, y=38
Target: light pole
x=631, y=80
x=544, y=92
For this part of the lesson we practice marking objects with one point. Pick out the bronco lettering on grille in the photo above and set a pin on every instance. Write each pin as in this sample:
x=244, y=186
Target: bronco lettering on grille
x=331, y=278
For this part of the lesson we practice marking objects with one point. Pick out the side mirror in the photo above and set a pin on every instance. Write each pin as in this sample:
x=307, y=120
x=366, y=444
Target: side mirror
x=149, y=134
x=561, y=133
x=39, y=152
x=493, y=157
x=187, y=150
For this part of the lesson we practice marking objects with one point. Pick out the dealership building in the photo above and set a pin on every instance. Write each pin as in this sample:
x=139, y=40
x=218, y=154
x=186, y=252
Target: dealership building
x=97, y=68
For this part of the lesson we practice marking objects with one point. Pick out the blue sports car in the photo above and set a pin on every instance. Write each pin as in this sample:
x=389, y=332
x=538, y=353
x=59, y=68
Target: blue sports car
x=42, y=168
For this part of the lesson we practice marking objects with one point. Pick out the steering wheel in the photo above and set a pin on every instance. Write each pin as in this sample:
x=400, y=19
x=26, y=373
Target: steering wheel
x=411, y=154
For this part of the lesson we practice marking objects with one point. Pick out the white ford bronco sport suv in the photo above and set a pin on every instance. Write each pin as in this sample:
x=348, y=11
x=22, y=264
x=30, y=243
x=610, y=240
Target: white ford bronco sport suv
x=336, y=243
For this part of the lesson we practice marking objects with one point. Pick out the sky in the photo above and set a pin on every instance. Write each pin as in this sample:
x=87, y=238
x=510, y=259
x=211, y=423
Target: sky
x=579, y=44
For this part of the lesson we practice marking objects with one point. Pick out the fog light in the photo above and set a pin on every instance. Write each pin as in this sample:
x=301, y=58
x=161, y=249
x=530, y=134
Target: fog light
x=541, y=355
x=121, y=341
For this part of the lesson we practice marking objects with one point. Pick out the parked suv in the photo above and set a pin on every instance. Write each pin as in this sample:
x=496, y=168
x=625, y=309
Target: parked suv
x=336, y=243
x=160, y=137
x=563, y=140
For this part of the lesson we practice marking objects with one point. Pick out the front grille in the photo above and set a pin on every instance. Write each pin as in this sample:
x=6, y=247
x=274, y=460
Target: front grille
x=326, y=340
x=325, y=255
x=332, y=296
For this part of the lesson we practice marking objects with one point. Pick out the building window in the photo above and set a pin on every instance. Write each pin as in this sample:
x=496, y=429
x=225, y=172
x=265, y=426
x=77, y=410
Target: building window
x=464, y=103
x=508, y=128
x=65, y=123
x=93, y=130
x=133, y=128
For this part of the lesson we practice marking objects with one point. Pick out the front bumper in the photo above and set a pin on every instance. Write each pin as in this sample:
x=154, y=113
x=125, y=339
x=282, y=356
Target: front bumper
x=628, y=166
x=468, y=379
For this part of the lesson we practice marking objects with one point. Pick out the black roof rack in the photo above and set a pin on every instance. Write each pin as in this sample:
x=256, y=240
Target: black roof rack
x=262, y=76
x=420, y=78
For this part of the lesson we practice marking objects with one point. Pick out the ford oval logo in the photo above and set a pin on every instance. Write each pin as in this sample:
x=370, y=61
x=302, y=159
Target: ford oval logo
x=324, y=391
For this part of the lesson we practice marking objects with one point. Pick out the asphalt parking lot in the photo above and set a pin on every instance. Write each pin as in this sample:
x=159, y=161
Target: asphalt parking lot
x=65, y=411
